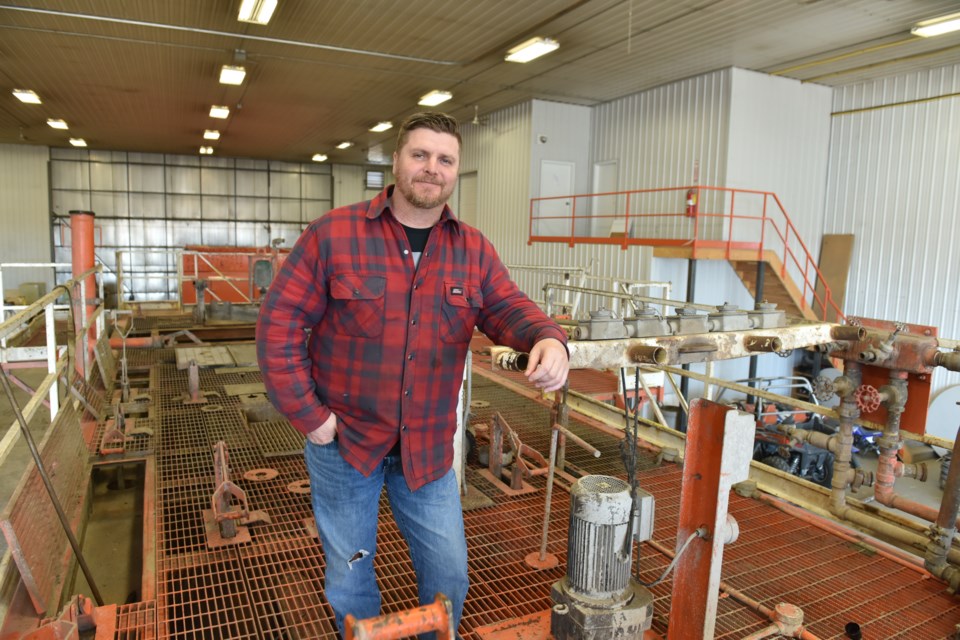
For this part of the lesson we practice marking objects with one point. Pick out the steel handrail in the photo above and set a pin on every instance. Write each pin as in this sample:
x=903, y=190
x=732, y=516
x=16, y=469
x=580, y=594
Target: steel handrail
x=790, y=258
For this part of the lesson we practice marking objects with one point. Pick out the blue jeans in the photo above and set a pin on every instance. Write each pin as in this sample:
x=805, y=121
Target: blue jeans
x=346, y=507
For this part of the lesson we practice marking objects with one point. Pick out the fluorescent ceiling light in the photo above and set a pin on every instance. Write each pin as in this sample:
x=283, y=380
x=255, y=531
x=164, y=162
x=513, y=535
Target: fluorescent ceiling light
x=937, y=26
x=256, y=11
x=27, y=96
x=217, y=111
x=211, y=134
x=319, y=157
x=78, y=142
x=206, y=151
x=344, y=145
x=381, y=126
x=231, y=74
x=532, y=48
x=434, y=98
x=57, y=124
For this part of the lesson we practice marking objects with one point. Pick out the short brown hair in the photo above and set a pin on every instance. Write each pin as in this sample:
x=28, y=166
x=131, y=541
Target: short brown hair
x=433, y=120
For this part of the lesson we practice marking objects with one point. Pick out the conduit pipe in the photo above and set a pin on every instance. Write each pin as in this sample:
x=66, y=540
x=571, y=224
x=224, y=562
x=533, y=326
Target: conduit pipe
x=848, y=411
x=939, y=549
x=741, y=597
x=889, y=468
x=946, y=359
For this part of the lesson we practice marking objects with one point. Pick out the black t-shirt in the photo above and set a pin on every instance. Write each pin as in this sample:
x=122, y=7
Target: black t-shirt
x=418, y=242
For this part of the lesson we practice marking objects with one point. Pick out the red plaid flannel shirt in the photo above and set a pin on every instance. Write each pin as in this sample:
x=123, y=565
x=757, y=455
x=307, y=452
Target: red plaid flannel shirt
x=388, y=340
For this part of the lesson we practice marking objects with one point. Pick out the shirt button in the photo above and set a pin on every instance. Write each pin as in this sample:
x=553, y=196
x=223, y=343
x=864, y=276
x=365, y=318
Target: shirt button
x=403, y=427
x=407, y=392
x=356, y=292
x=410, y=357
x=406, y=252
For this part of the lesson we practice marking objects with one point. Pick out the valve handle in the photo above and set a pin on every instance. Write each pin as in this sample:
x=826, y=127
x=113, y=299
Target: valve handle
x=867, y=398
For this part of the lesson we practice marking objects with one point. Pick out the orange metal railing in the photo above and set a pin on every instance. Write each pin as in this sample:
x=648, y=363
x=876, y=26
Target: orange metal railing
x=735, y=221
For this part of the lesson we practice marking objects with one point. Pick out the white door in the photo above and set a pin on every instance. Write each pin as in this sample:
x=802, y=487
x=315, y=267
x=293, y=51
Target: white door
x=607, y=218
x=467, y=199
x=553, y=217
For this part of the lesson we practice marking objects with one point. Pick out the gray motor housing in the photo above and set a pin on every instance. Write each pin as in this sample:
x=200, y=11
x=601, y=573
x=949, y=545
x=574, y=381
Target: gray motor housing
x=597, y=599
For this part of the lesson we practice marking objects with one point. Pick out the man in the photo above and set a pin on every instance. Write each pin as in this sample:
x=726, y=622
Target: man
x=391, y=290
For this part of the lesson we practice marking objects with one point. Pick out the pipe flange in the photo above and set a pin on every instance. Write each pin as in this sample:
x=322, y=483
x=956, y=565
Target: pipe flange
x=868, y=398
x=299, y=486
x=260, y=475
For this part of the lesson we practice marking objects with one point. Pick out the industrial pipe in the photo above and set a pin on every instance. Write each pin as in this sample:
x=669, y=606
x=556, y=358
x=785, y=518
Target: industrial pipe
x=739, y=596
x=513, y=361
x=643, y=354
x=889, y=468
x=787, y=622
x=945, y=527
x=848, y=412
x=763, y=344
x=83, y=256
x=848, y=332
x=946, y=359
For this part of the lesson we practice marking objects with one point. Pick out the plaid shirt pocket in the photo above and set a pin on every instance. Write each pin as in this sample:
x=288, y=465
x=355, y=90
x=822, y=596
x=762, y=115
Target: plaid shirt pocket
x=357, y=304
x=460, y=309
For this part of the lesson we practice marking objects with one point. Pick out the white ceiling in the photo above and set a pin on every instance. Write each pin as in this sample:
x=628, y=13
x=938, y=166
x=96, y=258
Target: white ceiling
x=142, y=74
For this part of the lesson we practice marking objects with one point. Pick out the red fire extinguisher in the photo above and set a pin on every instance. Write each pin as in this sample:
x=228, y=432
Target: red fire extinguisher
x=693, y=201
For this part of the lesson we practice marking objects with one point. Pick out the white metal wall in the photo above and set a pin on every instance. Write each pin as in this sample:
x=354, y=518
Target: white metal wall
x=894, y=182
x=24, y=213
x=779, y=141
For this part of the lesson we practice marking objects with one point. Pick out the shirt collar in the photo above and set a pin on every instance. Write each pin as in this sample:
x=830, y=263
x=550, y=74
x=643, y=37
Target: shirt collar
x=382, y=202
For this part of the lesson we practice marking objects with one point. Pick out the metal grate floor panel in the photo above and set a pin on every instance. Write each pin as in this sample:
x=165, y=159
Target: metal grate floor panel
x=272, y=586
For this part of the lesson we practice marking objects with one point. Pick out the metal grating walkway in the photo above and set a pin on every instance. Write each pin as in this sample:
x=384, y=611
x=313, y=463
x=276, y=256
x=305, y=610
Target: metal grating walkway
x=271, y=587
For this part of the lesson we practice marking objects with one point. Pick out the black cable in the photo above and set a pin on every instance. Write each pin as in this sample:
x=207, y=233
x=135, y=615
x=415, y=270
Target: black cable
x=699, y=533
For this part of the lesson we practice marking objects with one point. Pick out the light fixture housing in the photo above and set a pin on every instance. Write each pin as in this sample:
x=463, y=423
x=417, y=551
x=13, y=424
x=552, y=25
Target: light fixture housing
x=219, y=111
x=319, y=157
x=26, y=96
x=531, y=49
x=434, y=98
x=256, y=11
x=211, y=134
x=57, y=123
x=206, y=151
x=937, y=26
x=344, y=145
x=381, y=126
x=232, y=74
x=78, y=142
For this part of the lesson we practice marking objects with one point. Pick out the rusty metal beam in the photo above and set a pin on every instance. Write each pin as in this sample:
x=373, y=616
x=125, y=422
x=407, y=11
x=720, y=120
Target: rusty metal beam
x=699, y=347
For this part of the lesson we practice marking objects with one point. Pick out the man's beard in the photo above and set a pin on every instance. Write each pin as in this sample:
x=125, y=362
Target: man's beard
x=424, y=201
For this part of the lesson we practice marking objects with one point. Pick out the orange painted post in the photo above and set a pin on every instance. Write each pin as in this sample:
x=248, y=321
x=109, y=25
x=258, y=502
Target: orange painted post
x=626, y=224
x=733, y=195
x=763, y=229
x=718, y=453
x=530, y=224
x=83, y=258
x=573, y=223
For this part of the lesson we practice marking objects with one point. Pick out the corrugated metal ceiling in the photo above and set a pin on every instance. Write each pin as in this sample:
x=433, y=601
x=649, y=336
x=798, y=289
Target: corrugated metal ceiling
x=141, y=74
